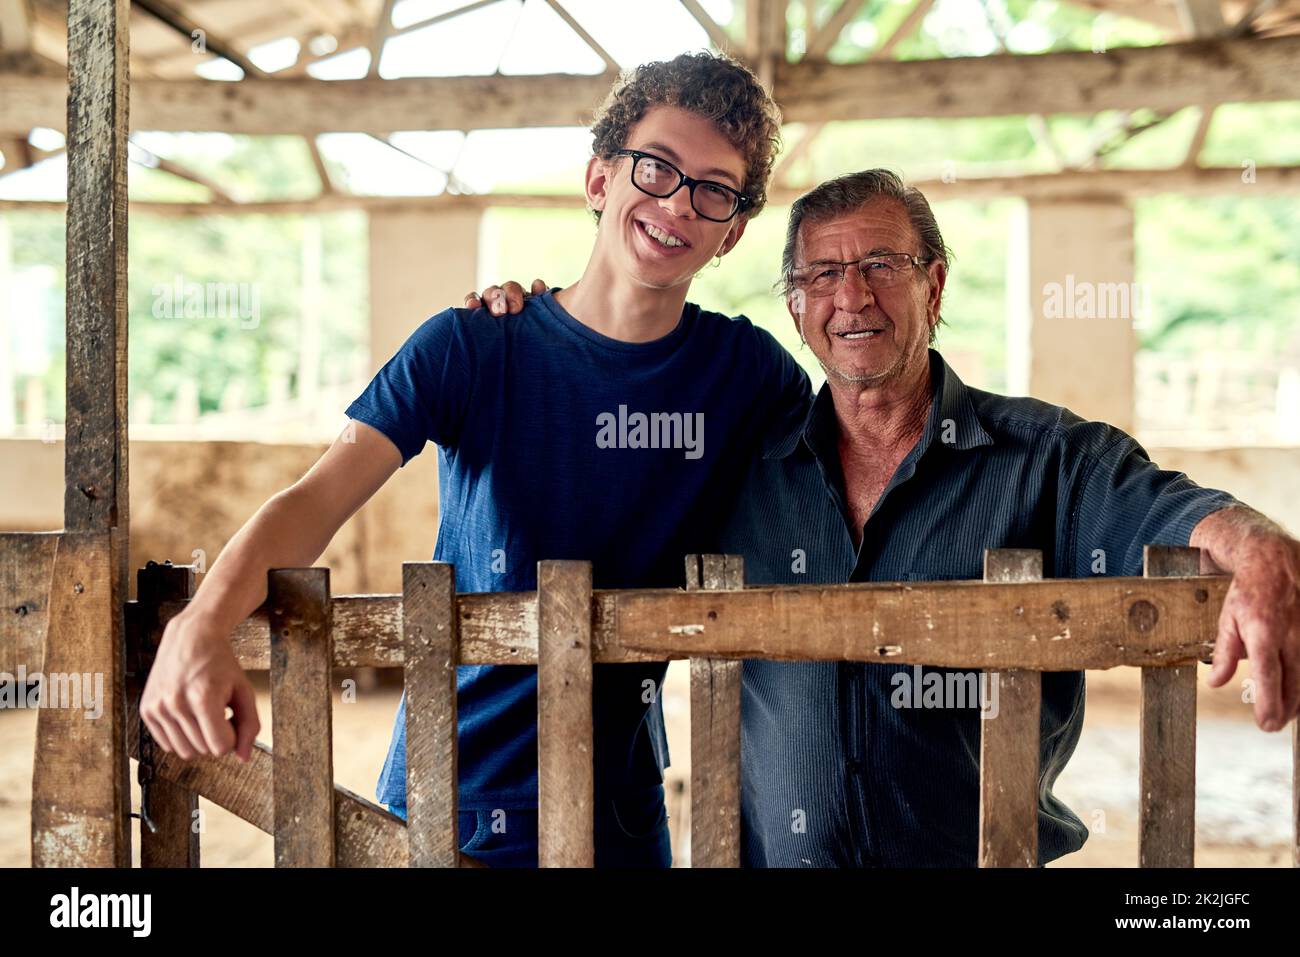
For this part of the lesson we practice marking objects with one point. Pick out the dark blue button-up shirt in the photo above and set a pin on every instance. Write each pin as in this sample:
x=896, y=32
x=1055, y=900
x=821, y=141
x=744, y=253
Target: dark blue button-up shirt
x=841, y=763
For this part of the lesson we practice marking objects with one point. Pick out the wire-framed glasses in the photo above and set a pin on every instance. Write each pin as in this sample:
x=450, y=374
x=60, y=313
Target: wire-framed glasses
x=879, y=271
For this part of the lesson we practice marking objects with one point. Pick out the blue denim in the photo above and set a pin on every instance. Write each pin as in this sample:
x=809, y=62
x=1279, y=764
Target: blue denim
x=631, y=832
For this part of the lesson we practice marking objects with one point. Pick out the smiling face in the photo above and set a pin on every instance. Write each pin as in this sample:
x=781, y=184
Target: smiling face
x=662, y=243
x=857, y=334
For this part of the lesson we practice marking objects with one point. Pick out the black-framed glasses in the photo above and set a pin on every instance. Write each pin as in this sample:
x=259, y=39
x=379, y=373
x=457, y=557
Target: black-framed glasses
x=879, y=271
x=657, y=177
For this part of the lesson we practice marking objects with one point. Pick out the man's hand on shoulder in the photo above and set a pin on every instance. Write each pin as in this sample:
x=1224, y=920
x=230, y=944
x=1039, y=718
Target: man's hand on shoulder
x=502, y=299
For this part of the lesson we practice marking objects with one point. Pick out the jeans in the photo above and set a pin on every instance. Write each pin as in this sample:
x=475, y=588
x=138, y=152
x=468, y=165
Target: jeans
x=631, y=831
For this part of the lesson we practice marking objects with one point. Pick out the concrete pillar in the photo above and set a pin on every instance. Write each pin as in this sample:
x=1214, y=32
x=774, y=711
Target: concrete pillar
x=1074, y=305
x=421, y=262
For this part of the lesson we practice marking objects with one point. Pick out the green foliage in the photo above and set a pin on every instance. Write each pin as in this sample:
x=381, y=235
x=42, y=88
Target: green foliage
x=1220, y=271
x=264, y=252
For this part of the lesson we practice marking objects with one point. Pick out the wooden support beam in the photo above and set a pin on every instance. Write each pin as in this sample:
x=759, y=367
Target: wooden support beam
x=565, y=768
x=1010, y=740
x=173, y=17
x=883, y=52
x=298, y=600
x=611, y=65
x=715, y=730
x=823, y=38
x=1201, y=18
x=81, y=786
x=1158, y=13
x=765, y=38
x=152, y=160
x=318, y=162
x=383, y=27
x=1246, y=24
x=1106, y=183
x=717, y=35
x=1161, y=78
x=1167, y=752
x=431, y=648
x=1197, y=142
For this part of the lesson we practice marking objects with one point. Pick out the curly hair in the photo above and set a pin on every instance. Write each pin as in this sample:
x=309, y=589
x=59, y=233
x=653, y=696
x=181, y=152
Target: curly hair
x=711, y=85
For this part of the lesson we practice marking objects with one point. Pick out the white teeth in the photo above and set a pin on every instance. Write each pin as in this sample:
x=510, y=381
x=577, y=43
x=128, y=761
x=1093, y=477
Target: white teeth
x=661, y=236
x=860, y=335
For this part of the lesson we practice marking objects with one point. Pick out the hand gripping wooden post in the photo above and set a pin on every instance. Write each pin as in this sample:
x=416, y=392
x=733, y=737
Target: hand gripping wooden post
x=565, y=770
x=1010, y=743
x=1167, y=753
x=302, y=653
x=715, y=730
x=431, y=649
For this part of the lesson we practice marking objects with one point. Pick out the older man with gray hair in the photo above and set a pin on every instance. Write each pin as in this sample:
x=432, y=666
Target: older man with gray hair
x=901, y=472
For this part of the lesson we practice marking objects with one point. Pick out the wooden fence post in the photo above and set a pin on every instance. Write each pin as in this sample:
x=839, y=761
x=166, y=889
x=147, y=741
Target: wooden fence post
x=301, y=716
x=1167, y=753
x=81, y=791
x=565, y=770
x=171, y=808
x=715, y=730
x=431, y=650
x=1010, y=743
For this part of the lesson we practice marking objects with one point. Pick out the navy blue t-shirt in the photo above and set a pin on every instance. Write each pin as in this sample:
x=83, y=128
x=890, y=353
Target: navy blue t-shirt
x=557, y=442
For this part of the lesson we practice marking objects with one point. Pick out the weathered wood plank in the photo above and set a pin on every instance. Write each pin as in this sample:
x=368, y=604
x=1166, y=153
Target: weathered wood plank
x=431, y=648
x=1165, y=77
x=1167, y=753
x=172, y=809
x=1056, y=625
x=565, y=729
x=715, y=735
x=79, y=815
x=1010, y=740
x=80, y=798
x=1112, y=622
x=302, y=716
x=26, y=562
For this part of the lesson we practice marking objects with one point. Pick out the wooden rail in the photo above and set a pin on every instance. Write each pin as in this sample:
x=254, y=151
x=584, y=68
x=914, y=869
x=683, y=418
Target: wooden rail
x=1013, y=622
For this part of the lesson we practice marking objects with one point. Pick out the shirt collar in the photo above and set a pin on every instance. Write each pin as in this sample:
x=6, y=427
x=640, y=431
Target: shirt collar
x=952, y=420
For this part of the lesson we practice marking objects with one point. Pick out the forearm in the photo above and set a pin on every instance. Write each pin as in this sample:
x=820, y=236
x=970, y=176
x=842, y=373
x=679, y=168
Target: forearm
x=1235, y=536
x=286, y=532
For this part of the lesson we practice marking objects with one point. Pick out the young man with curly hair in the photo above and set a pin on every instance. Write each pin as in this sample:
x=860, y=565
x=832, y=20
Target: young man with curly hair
x=606, y=422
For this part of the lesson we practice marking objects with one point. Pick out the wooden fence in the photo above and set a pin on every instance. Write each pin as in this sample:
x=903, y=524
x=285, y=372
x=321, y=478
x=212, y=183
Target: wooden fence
x=1013, y=623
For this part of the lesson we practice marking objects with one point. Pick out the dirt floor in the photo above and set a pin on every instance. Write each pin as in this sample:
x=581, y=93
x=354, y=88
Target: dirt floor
x=1243, y=800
